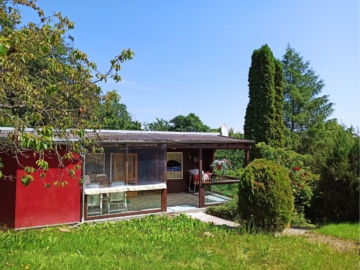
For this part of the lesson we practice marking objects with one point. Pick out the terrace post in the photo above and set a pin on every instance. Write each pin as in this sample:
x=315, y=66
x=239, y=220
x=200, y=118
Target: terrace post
x=201, y=186
x=247, y=156
x=164, y=191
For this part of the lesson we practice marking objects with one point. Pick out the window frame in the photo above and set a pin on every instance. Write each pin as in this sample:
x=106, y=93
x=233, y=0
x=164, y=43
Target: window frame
x=180, y=159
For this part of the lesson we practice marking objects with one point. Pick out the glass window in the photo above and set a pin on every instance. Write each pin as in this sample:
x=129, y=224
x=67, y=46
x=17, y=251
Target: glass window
x=122, y=202
x=174, y=165
x=119, y=168
x=95, y=168
x=220, y=193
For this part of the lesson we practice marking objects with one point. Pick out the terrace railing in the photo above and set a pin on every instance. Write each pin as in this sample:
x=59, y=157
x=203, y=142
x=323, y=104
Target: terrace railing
x=220, y=189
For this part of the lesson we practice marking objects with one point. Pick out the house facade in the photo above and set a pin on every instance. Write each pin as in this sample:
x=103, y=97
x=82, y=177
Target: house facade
x=137, y=173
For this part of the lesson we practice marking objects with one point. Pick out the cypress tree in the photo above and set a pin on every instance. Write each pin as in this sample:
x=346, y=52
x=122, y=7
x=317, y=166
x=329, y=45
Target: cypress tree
x=263, y=119
x=279, y=104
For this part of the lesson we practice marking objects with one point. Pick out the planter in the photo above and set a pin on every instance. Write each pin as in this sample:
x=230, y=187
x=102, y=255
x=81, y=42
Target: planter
x=218, y=167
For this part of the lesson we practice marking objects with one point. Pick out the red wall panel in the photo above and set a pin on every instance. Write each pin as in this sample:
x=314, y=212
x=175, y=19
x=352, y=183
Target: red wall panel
x=7, y=191
x=37, y=205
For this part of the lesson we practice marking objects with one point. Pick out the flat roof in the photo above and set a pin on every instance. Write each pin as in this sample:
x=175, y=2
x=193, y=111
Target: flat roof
x=147, y=137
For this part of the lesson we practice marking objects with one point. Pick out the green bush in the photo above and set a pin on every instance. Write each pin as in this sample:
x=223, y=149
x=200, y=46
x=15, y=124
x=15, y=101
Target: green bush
x=265, y=199
x=303, y=181
x=336, y=199
x=228, y=210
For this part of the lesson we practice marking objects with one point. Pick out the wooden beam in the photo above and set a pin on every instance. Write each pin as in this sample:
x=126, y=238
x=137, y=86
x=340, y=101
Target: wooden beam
x=210, y=146
x=247, y=156
x=124, y=214
x=224, y=177
x=222, y=182
x=164, y=200
x=201, y=187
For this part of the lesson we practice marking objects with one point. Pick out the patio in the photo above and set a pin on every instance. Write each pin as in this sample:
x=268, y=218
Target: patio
x=175, y=201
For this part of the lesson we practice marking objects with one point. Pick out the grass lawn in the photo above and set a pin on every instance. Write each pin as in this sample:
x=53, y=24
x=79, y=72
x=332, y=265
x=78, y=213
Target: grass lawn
x=162, y=242
x=343, y=231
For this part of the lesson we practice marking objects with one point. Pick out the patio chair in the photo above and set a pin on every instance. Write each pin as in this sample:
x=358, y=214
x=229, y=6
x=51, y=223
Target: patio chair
x=117, y=202
x=101, y=179
x=118, y=183
x=92, y=185
x=87, y=179
x=94, y=205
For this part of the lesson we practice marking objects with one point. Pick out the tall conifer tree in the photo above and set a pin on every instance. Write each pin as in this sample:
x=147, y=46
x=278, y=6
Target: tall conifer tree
x=304, y=110
x=263, y=119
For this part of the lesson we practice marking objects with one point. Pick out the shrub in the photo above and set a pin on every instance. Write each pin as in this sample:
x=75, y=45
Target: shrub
x=336, y=199
x=303, y=181
x=228, y=210
x=265, y=197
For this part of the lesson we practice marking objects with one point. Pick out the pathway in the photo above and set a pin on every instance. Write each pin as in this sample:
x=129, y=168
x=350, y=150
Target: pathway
x=208, y=218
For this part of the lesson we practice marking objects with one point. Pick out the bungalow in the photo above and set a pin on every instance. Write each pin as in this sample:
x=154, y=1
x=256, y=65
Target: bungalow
x=139, y=172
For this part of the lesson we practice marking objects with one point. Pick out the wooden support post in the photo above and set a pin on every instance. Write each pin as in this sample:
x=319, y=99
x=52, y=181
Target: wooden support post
x=247, y=156
x=201, y=186
x=126, y=166
x=164, y=200
x=164, y=191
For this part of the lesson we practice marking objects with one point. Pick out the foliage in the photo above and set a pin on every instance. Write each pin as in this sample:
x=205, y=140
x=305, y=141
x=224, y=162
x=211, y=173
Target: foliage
x=336, y=159
x=158, y=125
x=235, y=156
x=162, y=242
x=46, y=87
x=191, y=123
x=265, y=196
x=304, y=109
x=303, y=181
x=345, y=231
x=117, y=117
x=180, y=123
x=299, y=220
x=263, y=119
x=224, y=164
x=228, y=210
x=227, y=190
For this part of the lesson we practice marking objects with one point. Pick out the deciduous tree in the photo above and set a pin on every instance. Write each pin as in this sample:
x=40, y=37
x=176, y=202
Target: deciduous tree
x=49, y=94
x=180, y=123
x=191, y=123
x=117, y=117
x=158, y=125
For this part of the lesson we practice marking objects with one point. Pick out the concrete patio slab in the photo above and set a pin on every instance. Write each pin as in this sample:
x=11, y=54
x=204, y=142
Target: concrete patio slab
x=208, y=218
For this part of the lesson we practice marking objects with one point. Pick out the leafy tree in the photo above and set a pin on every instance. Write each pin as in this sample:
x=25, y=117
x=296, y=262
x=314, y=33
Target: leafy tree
x=117, y=117
x=180, y=123
x=263, y=119
x=159, y=125
x=304, y=109
x=45, y=87
x=191, y=123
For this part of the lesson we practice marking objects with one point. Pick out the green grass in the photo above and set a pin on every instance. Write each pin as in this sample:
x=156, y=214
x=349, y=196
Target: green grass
x=160, y=242
x=343, y=231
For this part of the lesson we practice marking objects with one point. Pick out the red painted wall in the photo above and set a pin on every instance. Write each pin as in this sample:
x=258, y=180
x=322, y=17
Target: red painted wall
x=7, y=192
x=40, y=206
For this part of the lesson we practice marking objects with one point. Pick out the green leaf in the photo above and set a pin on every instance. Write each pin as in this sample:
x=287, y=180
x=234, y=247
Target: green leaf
x=3, y=50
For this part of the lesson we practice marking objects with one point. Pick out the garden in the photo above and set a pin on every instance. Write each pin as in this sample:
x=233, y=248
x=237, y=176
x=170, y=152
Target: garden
x=164, y=242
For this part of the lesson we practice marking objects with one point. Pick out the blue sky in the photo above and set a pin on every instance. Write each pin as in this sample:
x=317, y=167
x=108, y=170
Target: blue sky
x=194, y=56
